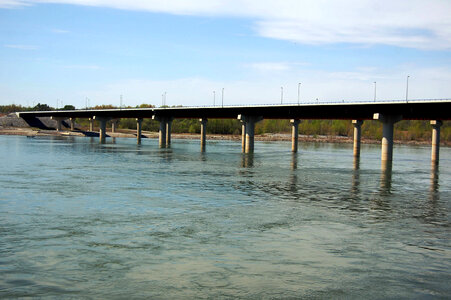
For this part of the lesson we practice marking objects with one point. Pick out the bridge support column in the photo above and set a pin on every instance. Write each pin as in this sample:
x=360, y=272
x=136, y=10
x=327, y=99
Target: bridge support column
x=357, y=136
x=203, y=133
x=168, y=130
x=138, y=130
x=165, y=126
x=114, y=124
x=243, y=136
x=250, y=131
x=59, y=122
x=294, y=135
x=436, y=124
x=91, y=124
x=72, y=124
x=102, y=127
x=162, y=134
x=388, y=122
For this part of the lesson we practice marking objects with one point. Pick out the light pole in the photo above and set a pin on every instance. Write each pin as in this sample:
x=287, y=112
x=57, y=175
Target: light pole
x=214, y=97
x=407, y=89
x=299, y=92
x=222, y=98
x=375, y=91
x=281, y=94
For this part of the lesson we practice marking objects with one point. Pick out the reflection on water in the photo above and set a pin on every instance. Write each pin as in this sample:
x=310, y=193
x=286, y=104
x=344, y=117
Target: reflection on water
x=84, y=220
x=355, y=177
x=434, y=180
x=386, y=176
x=247, y=160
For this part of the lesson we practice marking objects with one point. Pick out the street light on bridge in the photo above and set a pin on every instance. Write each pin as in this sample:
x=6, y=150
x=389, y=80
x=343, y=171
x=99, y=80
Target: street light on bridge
x=299, y=92
x=407, y=88
x=375, y=91
x=281, y=94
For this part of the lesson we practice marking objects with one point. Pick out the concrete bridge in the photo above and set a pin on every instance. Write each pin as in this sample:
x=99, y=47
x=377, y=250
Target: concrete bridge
x=387, y=112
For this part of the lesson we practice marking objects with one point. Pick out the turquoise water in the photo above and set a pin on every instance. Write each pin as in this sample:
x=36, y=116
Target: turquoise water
x=84, y=220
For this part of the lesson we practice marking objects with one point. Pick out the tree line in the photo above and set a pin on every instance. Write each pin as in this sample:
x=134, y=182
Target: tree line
x=404, y=130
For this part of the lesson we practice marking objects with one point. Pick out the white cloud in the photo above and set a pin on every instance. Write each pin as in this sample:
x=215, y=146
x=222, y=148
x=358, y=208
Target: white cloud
x=22, y=47
x=415, y=23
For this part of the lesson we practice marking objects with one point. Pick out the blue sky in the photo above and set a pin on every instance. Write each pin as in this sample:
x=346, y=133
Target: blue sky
x=100, y=50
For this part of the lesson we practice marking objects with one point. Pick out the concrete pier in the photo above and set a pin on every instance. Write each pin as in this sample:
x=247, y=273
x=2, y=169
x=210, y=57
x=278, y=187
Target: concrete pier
x=114, y=125
x=357, y=136
x=243, y=136
x=139, y=122
x=203, y=133
x=162, y=132
x=91, y=124
x=436, y=124
x=102, y=128
x=294, y=135
x=168, y=131
x=72, y=124
x=59, y=122
x=250, y=130
x=388, y=122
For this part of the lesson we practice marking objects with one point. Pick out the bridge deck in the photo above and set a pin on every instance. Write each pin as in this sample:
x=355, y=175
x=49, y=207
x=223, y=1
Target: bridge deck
x=411, y=110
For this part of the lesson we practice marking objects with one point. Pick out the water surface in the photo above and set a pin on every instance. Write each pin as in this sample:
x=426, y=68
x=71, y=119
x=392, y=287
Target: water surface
x=80, y=219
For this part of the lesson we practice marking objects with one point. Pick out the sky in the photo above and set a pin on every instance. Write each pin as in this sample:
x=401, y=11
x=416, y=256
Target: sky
x=205, y=52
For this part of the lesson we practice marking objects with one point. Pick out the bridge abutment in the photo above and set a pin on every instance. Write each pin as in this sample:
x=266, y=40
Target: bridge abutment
x=436, y=124
x=203, y=133
x=294, y=135
x=357, y=136
x=388, y=122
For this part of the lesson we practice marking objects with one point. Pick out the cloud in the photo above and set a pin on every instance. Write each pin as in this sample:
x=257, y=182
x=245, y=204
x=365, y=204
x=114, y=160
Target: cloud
x=415, y=23
x=22, y=47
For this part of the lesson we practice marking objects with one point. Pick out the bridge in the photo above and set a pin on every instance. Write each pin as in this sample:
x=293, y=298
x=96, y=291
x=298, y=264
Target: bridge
x=387, y=112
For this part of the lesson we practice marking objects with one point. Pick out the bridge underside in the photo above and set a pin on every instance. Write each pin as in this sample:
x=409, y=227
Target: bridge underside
x=408, y=111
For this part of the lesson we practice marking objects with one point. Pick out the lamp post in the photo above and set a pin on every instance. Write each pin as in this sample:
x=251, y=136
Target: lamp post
x=281, y=94
x=375, y=91
x=222, y=98
x=407, y=89
x=214, y=97
x=299, y=92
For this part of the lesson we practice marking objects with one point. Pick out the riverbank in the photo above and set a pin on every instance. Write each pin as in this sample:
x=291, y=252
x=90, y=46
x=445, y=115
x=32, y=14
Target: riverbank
x=128, y=133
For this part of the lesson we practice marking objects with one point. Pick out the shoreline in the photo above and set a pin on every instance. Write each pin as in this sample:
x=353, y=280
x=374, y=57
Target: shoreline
x=268, y=137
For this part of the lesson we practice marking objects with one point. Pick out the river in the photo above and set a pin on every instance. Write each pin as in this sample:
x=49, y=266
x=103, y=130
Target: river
x=83, y=220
